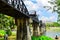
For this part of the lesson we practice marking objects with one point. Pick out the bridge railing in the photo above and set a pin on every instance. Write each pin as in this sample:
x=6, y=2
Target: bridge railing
x=18, y=4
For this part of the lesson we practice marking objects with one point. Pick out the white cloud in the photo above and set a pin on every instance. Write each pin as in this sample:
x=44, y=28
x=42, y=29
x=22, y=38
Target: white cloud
x=39, y=14
x=45, y=3
x=46, y=19
x=52, y=18
x=38, y=6
x=31, y=6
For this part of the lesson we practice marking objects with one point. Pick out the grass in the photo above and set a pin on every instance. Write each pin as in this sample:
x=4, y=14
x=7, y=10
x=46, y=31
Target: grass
x=41, y=38
x=1, y=38
x=13, y=36
x=47, y=28
x=55, y=29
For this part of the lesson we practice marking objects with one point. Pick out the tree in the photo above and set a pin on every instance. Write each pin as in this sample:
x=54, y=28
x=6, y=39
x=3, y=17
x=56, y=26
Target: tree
x=52, y=24
x=56, y=7
x=6, y=22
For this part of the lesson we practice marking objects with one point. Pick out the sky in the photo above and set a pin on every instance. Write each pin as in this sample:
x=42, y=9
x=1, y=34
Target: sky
x=43, y=14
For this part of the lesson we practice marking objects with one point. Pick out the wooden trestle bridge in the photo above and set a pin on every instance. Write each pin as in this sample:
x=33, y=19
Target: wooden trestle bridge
x=23, y=20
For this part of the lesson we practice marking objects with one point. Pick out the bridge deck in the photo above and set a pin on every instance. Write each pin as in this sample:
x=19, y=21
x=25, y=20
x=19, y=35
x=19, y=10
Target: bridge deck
x=7, y=9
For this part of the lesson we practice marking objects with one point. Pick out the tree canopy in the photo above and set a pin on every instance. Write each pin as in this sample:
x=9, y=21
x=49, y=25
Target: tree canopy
x=53, y=24
x=6, y=22
x=56, y=7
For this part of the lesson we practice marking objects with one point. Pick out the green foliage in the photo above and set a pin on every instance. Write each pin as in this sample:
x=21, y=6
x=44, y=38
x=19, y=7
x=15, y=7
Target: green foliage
x=2, y=32
x=41, y=38
x=49, y=24
x=1, y=38
x=53, y=24
x=56, y=7
x=57, y=2
x=6, y=22
x=56, y=24
x=9, y=32
x=13, y=34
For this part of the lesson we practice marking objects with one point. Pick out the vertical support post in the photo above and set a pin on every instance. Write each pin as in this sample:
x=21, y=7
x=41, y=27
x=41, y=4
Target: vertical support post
x=19, y=29
x=38, y=30
x=23, y=29
x=34, y=29
x=28, y=30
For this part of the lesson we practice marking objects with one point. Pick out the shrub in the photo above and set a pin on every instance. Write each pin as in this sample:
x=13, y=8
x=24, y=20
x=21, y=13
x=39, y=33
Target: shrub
x=2, y=32
x=8, y=32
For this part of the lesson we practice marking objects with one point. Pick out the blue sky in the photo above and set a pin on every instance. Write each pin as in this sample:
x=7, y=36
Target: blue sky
x=42, y=13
